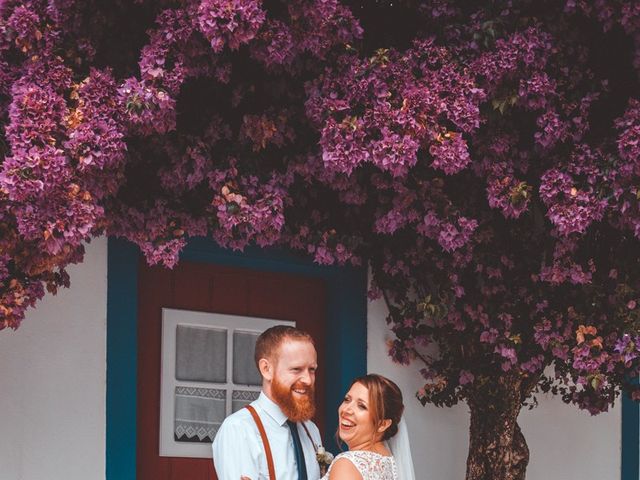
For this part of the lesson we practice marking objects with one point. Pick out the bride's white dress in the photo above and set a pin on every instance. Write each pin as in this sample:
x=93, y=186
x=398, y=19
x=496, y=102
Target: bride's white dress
x=371, y=465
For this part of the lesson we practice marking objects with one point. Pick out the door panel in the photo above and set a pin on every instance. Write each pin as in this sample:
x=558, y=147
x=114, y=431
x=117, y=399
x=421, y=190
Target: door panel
x=219, y=289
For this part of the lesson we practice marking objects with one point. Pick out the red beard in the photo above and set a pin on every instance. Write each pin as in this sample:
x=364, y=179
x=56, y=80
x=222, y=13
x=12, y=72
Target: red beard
x=296, y=408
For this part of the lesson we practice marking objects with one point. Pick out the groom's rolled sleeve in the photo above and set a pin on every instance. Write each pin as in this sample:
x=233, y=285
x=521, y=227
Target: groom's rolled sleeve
x=235, y=453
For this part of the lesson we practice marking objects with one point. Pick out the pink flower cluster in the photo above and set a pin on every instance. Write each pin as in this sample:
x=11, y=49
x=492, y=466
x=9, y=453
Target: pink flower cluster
x=175, y=52
x=486, y=170
x=400, y=110
x=574, y=204
x=313, y=27
x=247, y=211
x=150, y=110
x=96, y=134
x=231, y=23
x=450, y=153
x=160, y=231
x=629, y=138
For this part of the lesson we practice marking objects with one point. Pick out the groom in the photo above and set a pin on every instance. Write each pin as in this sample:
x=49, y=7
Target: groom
x=274, y=437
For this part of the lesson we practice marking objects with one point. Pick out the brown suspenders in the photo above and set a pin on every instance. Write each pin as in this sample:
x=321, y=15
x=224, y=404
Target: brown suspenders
x=265, y=441
x=315, y=447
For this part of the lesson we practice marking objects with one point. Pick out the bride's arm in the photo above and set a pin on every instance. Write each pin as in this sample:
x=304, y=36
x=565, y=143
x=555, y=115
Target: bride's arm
x=343, y=469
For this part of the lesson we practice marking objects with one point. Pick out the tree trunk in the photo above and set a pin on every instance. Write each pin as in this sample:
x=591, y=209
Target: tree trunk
x=497, y=447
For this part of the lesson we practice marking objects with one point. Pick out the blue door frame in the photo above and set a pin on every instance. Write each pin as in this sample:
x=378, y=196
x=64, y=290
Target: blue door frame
x=346, y=322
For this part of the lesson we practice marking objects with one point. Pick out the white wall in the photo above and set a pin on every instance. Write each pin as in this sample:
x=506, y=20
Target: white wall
x=564, y=443
x=53, y=380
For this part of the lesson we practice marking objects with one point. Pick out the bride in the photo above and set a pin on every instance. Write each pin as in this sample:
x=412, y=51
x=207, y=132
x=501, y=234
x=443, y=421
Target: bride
x=371, y=425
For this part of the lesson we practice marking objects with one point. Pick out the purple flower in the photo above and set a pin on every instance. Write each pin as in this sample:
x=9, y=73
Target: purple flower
x=149, y=109
x=229, y=22
x=451, y=154
x=489, y=336
x=465, y=377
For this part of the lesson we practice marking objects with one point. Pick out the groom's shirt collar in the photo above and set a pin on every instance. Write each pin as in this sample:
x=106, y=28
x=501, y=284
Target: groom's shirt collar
x=271, y=408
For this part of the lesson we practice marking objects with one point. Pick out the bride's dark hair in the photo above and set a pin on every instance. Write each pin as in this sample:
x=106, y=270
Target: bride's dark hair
x=385, y=401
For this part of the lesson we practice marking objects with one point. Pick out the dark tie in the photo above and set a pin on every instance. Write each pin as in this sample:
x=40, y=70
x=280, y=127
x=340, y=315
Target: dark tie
x=297, y=447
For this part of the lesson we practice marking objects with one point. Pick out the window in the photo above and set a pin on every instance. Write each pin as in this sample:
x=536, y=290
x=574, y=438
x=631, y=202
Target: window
x=207, y=373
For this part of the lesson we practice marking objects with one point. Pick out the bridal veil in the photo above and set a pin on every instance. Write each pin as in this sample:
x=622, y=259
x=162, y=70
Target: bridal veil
x=401, y=451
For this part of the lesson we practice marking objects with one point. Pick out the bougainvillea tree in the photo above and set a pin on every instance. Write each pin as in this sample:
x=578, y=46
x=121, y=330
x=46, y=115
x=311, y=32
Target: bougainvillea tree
x=482, y=157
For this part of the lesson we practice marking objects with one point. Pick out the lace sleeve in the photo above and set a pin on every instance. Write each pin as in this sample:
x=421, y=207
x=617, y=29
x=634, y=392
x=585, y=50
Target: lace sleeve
x=347, y=456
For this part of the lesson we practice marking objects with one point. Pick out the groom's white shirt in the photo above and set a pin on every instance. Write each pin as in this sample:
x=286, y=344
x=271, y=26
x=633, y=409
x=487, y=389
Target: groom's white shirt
x=238, y=448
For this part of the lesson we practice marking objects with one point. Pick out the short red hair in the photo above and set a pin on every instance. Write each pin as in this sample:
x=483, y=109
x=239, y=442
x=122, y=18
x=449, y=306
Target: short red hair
x=270, y=340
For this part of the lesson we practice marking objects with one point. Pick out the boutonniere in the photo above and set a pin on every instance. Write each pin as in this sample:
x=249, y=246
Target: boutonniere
x=324, y=459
